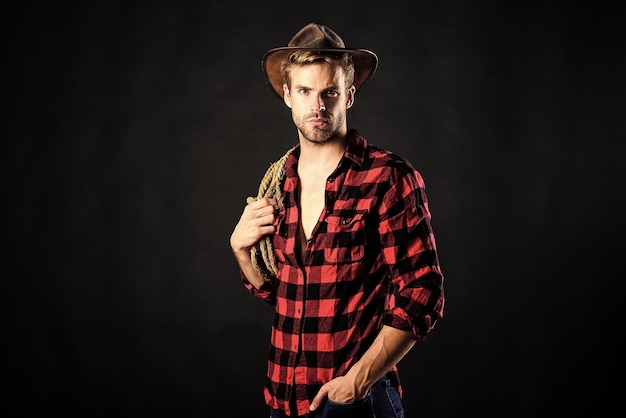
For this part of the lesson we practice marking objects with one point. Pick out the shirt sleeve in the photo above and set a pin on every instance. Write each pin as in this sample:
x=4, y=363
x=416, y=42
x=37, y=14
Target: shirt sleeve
x=416, y=297
x=265, y=292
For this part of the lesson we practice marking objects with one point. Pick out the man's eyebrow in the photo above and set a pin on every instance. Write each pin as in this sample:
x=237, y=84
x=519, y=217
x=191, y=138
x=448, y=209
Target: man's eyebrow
x=328, y=87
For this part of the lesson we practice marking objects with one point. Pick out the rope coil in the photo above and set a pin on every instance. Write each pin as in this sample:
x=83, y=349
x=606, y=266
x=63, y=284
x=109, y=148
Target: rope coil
x=262, y=253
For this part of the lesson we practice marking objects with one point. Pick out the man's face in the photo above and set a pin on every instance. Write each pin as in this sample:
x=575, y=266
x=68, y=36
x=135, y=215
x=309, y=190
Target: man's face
x=319, y=99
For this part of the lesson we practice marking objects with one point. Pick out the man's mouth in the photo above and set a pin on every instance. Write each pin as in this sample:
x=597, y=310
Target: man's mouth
x=317, y=122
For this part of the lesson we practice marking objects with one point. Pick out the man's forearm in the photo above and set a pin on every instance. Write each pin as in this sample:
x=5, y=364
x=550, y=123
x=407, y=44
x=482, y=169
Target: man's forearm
x=389, y=347
x=245, y=264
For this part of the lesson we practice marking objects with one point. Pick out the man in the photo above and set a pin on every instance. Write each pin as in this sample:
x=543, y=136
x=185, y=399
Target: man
x=350, y=262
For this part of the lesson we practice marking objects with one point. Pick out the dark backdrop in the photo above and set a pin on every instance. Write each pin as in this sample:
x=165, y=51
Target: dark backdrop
x=134, y=131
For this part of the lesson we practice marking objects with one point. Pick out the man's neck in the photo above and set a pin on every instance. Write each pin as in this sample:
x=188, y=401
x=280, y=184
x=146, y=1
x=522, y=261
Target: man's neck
x=326, y=154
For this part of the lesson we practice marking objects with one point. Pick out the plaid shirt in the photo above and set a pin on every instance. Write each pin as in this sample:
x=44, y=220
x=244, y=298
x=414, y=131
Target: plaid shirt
x=371, y=261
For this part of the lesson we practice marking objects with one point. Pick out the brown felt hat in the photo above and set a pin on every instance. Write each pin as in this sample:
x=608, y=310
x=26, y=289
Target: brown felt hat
x=317, y=37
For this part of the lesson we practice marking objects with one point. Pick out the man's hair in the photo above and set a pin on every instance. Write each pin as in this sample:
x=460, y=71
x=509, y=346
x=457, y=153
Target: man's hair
x=302, y=57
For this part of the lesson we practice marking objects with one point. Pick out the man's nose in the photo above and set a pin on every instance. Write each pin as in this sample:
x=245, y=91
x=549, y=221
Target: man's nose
x=318, y=105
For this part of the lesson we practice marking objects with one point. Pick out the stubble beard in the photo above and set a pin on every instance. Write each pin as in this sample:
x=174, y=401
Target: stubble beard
x=317, y=135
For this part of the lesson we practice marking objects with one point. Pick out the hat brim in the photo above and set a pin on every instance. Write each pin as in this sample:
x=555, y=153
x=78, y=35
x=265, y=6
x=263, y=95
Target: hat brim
x=365, y=64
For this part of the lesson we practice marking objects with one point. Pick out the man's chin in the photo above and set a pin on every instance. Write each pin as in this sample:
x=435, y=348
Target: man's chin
x=318, y=136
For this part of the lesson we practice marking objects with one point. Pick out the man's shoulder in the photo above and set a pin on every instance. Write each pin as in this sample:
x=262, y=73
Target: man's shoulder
x=382, y=157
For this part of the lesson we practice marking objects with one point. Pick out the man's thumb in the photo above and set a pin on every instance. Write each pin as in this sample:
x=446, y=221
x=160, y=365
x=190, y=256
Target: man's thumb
x=319, y=398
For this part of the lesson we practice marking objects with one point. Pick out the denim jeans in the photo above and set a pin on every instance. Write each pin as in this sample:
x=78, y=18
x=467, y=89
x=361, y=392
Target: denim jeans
x=381, y=401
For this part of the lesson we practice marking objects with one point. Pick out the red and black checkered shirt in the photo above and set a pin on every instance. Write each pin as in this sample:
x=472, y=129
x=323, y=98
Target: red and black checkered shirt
x=371, y=261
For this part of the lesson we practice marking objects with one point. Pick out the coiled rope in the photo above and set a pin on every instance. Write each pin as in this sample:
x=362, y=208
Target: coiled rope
x=262, y=253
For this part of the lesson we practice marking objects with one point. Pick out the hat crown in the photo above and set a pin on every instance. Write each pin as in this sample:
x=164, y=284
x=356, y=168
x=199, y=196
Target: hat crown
x=315, y=35
x=321, y=39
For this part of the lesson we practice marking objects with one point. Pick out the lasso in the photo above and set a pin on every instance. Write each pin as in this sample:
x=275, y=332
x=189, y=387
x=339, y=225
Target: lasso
x=263, y=257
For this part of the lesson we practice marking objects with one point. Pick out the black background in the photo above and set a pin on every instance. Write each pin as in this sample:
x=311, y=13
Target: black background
x=134, y=131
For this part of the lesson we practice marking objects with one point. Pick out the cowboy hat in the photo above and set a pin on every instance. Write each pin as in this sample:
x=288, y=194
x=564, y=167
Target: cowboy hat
x=317, y=37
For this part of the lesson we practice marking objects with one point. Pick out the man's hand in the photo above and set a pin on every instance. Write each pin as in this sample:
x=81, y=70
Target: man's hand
x=341, y=389
x=256, y=221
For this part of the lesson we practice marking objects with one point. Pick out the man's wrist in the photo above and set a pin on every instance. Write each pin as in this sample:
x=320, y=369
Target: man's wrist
x=242, y=254
x=361, y=377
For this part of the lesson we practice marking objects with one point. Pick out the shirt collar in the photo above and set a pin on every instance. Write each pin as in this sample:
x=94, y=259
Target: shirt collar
x=355, y=151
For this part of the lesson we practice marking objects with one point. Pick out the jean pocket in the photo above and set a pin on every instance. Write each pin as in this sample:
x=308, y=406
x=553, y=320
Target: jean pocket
x=358, y=409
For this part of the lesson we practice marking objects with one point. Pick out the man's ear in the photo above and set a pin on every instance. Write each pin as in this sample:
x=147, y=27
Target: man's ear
x=351, y=95
x=286, y=96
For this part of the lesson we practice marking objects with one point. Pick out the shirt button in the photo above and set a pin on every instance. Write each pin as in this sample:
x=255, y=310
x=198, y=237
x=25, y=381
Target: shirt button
x=331, y=179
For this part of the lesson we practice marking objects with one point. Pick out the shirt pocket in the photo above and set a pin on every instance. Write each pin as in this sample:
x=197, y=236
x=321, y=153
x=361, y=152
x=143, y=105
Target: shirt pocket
x=345, y=237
